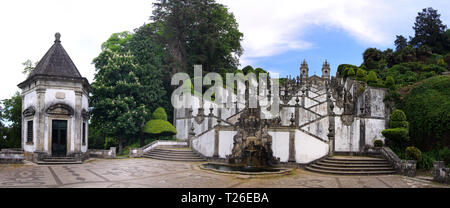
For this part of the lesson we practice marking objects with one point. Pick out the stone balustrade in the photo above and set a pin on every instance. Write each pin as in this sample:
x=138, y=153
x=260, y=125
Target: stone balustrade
x=440, y=172
x=404, y=167
x=11, y=156
x=108, y=154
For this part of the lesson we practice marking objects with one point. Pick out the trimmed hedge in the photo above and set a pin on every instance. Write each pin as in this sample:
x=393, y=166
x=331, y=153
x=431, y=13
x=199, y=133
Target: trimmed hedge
x=396, y=134
x=159, y=126
x=427, y=108
x=372, y=78
x=378, y=143
x=398, y=120
x=159, y=113
x=412, y=153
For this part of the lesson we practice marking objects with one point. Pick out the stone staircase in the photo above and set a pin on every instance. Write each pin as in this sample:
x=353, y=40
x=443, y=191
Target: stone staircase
x=59, y=161
x=352, y=165
x=182, y=154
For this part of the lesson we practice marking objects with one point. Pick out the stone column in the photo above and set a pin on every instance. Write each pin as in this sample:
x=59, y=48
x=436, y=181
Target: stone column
x=297, y=112
x=40, y=125
x=22, y=135
x=291, y=145
x=331, y=123
x=77, y=122
x=191, y=135
x=216, y=143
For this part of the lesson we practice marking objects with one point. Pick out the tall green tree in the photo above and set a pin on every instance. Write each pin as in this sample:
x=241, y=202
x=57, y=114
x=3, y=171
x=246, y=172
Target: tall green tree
x=142, y=57
x=149, y=55
x=11, y=117
x=198, y=32
x=429, y=30
x=400, y=42
x=115, y=89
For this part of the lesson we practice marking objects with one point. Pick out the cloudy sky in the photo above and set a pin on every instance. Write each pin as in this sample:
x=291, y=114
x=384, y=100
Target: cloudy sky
x=278, y=35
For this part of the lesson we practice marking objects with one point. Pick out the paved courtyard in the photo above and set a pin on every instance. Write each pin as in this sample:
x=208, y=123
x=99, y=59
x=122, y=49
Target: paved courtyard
x=150, y=173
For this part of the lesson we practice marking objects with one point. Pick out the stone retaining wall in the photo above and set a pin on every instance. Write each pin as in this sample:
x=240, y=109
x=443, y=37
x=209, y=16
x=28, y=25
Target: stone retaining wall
x=440, y=172
x=11, y=156
x=111, y=153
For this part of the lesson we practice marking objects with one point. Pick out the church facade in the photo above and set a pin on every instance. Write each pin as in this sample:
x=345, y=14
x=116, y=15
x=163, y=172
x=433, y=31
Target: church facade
x=55, y=108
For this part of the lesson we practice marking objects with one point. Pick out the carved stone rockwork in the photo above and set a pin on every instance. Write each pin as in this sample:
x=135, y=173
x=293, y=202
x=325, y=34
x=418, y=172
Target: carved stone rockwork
x=30, y=111
x=85, y=114
x=367, y=110
x=200, y=117
x=252, y=143
x=349, y=105
x=60, y=109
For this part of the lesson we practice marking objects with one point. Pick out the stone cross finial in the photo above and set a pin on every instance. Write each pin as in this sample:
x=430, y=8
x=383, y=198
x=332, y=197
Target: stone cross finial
x=57, y=37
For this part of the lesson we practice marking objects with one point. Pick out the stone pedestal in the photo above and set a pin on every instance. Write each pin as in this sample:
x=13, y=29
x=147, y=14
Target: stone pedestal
x=409, y=168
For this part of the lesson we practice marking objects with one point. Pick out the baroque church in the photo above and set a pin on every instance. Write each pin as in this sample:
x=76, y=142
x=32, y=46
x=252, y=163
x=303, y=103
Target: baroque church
x=55, y=108
x=319, y=116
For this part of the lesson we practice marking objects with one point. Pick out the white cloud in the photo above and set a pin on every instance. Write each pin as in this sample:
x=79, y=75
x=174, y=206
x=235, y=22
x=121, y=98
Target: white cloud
x=28, y=29
x=273, y=27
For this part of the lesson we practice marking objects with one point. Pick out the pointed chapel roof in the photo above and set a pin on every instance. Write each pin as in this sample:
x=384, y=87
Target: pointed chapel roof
x=56, y=63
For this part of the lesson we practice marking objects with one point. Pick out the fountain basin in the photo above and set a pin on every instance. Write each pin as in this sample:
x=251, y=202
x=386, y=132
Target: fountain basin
x=244, y=170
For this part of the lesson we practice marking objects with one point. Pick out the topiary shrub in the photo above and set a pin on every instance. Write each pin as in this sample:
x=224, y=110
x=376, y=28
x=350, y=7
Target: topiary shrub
x=397, y=135
x=413, y=153
x=398, y=119
x=159, y=126
x=159, y=113
x=378, y=143
x=372, y=78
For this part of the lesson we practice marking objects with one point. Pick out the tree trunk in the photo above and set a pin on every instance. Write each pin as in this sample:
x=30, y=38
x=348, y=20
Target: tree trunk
x=120, y=146
x=141, y=135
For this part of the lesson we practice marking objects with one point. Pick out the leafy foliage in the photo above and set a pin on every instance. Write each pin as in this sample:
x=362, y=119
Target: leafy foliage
x=429, y=30
x=427, y=108
x=398, y=120
x=378, y=143
x=413, y=153
x=160, y=114
x=159, y=124
x=372, y=78
x=11, y=122
x=159, y=127
x=198, y=32
x=398, y=135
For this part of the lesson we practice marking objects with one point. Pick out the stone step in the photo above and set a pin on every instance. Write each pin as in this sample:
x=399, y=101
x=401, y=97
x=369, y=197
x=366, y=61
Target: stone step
x=366, y=159
x=172, y=153
x=171, y=150
x=174, y=156
x=58, y=162
x=354, y=161
x=352, y=169
x=175, y=159
x=336, y=172
x=353, y=164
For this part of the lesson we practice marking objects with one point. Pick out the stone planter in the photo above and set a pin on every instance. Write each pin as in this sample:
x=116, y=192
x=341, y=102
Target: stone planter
x=409, y=167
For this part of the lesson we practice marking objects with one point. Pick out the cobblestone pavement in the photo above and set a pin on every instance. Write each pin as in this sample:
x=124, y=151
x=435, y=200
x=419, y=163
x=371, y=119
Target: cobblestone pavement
x=150, y=173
